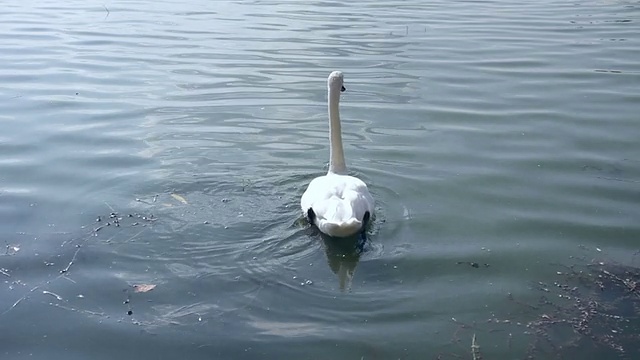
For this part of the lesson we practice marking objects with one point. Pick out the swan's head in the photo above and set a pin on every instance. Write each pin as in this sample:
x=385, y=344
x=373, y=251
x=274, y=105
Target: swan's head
x=336, y=81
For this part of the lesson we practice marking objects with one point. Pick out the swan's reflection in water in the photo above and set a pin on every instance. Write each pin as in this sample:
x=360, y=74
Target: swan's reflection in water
x=343, y=255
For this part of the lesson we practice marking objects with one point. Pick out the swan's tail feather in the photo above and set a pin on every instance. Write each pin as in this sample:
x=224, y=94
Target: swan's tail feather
x=339, y=217
x=341, y=229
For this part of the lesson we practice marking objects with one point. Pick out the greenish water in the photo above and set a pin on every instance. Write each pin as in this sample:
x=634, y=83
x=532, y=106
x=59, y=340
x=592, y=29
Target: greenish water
x=496, y=132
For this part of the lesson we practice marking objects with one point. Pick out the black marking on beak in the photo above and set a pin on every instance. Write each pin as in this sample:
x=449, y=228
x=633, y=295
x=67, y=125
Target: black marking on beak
x=343, y=89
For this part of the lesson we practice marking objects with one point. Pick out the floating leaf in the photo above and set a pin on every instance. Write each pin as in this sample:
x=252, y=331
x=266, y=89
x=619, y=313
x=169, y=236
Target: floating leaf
x=142, y=288
x=179, y=198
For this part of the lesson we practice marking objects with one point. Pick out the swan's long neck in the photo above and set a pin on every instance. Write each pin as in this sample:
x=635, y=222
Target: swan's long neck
x=336, y=161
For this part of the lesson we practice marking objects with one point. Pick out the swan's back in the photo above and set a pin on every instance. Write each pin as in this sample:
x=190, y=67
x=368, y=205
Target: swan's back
x=339, y=203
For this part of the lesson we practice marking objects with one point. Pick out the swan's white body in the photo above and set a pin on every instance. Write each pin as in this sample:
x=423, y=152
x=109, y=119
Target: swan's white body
x=339, y=202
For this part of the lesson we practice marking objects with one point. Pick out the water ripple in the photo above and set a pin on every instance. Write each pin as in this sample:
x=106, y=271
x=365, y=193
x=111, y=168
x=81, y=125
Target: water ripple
x=490, y=131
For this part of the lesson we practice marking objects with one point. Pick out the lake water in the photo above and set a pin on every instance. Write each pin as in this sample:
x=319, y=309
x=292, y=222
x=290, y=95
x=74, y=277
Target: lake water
x=500, y=139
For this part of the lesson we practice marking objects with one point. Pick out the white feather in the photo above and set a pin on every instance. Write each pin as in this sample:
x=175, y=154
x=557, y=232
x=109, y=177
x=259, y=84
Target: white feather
x=339, y=201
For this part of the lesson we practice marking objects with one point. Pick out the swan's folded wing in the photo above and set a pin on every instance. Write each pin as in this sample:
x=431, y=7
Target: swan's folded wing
x=360, y=201
x=339, y=200
x=316, y=192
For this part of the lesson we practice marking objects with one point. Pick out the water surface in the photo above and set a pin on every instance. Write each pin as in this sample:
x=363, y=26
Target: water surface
x=499, y=139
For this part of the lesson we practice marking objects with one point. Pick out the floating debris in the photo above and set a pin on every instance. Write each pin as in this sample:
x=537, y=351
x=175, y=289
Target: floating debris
x=473, y=264
x=246, y=183
x=143, y=288
x=593, y=308
x=180, y=198
x=12, y=249
x=475, y=349
x=52, y=294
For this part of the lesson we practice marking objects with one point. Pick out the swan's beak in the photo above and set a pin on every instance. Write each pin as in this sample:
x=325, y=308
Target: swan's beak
x=343, y=89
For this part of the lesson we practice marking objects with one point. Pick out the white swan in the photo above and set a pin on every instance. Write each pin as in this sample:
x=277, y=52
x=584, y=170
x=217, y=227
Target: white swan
x=338, y=204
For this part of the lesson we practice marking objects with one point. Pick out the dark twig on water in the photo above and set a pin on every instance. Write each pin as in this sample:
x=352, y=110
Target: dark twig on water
x=108, y=12
x=246, y=183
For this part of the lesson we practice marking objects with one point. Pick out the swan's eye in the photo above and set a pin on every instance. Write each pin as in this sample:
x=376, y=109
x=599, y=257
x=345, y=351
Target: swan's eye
x=343, y=89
